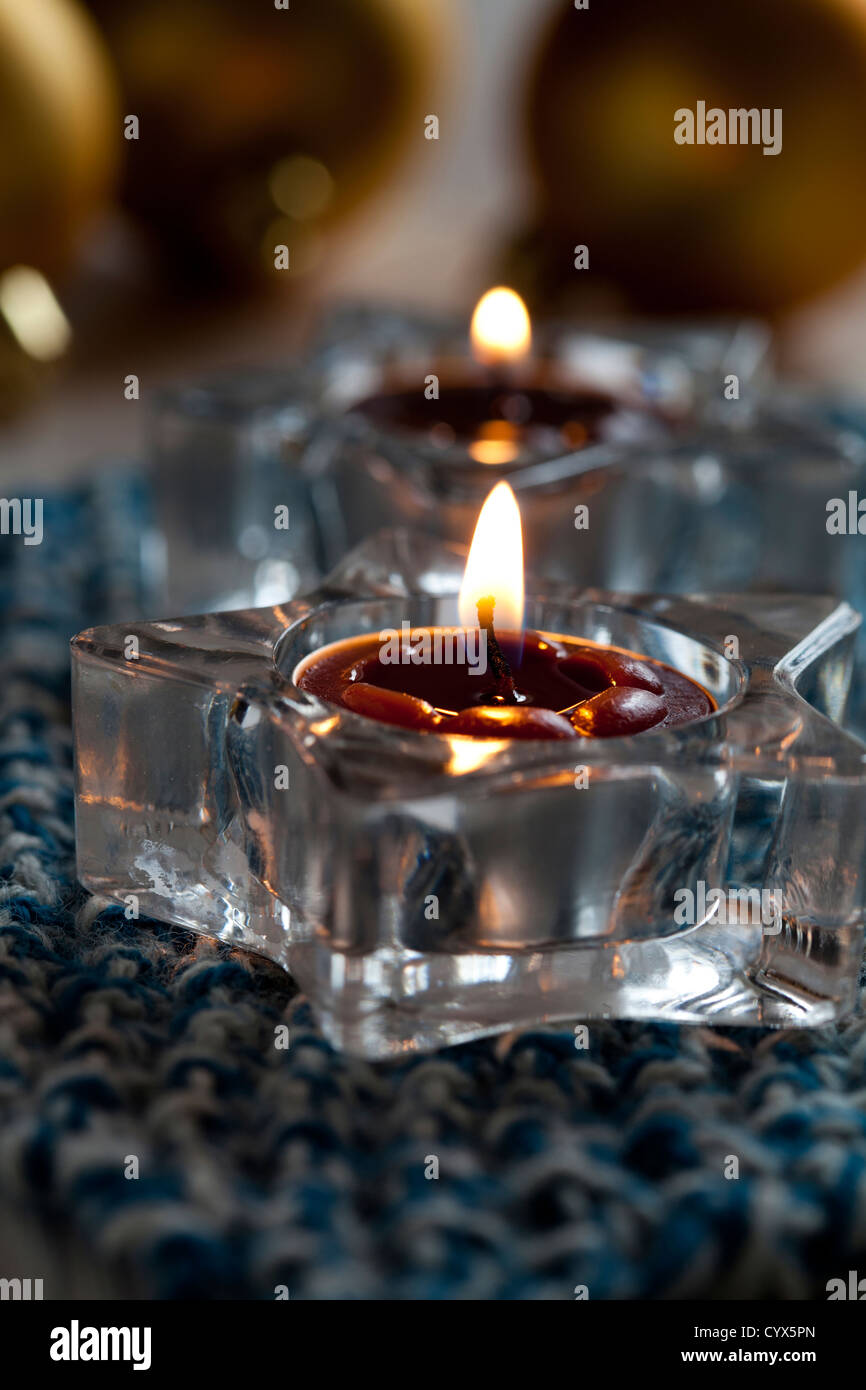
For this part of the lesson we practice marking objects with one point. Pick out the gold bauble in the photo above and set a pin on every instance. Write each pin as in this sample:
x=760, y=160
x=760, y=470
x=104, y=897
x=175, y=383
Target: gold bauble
x=260, y=124
x=720, y=227
x=60, y=131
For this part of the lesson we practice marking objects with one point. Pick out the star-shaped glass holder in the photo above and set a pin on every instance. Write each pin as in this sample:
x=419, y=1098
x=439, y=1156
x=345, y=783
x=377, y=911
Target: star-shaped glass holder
x=425, y=889
x=663, y=384
x=264, y=478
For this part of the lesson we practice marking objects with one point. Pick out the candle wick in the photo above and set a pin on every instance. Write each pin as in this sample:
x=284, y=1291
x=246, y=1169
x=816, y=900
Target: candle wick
x=499, y=666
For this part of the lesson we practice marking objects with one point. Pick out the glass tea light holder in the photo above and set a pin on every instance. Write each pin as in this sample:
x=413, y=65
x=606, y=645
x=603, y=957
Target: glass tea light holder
x=234, y=521
x=420, y=418
x=438, y=853
x=263, y=479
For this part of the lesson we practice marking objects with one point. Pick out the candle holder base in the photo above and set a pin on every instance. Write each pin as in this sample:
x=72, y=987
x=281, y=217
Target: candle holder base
x=425, y=889
x=389, y=1003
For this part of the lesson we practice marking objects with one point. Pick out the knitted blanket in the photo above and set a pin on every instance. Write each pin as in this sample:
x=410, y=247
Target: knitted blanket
x=154, y=1142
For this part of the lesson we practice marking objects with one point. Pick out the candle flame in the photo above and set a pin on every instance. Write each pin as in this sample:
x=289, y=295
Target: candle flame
x=495, y=563
x=500, y=331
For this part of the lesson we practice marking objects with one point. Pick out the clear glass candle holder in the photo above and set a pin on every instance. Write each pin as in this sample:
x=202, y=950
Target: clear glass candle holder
x=235, y=520
x=662, y=385
x=262, y=479
x=426, y=889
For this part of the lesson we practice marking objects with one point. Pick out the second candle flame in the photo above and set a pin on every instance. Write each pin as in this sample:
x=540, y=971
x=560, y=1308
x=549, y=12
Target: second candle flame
x=495, y=563
x=500, y=329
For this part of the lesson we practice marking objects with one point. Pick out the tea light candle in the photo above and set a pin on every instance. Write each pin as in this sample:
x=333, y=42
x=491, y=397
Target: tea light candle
x=504, y=403
x=488, y=678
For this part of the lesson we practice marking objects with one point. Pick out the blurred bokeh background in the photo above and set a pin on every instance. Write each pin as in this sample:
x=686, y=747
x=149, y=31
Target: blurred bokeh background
x=259, y=125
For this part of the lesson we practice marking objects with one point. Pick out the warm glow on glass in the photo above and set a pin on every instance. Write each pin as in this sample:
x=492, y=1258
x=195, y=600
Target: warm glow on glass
x=471, y=754
x=495, y=563
x=494, y=452
x=500, y=331
x=497, y=442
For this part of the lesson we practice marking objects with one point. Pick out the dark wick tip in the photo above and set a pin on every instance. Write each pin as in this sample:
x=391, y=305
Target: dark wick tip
x=501, y=669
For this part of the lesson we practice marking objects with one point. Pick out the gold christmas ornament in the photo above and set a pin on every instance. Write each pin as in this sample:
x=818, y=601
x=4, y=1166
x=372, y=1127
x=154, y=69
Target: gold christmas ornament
x=259, y=125
x=58, y=156
x=60, y=130
x=718, y=225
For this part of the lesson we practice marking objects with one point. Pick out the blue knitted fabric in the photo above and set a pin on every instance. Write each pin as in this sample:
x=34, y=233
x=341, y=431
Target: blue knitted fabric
x=302, y=1168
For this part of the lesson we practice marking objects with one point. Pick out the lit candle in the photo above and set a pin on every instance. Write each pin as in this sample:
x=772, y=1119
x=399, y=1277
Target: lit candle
x=488, y=677
x=505, y=404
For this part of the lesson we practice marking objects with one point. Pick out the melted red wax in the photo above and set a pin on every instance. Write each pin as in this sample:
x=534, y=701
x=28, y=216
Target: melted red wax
x=566, y=689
